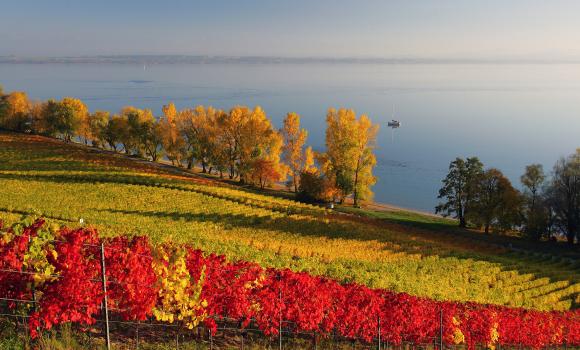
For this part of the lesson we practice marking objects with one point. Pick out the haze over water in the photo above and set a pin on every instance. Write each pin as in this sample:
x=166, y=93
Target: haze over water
x=509, y=115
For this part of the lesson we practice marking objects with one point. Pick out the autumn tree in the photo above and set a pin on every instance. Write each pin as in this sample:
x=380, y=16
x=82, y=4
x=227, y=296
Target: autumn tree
x=97, y=124
x=293, y=149
x=14, y=111
x=459, y=188
x=309, y=160
x=350, y=143
x=115, y=132
x=496, y=201
x=365, y=141
x=38, y=123
x=151, y=137
x=64, y=117
x=229, y=138
x=198, y=127
x=79, y=112
x=258, y=140
x=171, y=138
x=141, y=136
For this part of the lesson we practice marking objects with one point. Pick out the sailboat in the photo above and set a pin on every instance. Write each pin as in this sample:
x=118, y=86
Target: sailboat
x=394, y=123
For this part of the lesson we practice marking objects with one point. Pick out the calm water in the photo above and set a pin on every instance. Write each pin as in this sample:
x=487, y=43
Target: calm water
x=508, y=115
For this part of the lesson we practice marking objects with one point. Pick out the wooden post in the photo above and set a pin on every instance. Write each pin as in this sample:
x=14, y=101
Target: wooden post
x=441, y=329
x=105, y=300
x=279, y=278
x=379, y=328
x=137, y=335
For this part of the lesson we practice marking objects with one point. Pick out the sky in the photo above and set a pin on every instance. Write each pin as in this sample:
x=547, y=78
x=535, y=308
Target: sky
x=298, y=28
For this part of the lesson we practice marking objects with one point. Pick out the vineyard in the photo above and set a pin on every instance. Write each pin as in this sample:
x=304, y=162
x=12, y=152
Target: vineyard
x=124, y=197
x=180, y=284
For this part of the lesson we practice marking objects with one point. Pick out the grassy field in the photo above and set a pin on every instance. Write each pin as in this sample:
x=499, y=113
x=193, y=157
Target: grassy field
x=402, y=251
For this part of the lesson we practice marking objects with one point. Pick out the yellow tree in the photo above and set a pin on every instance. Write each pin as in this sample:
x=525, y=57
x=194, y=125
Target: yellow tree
x=15, y=109
x=365, y=142
x=97, y=122
x=350, y=144
x=172, y=140
x=230, y=125
x=293, y=153
x=37, y=121
x=266, y=167
x=340, y=146
x=64, y=117
x=197, y=126
x=143, y=135
x=309, y=157
x=258, y=140
x=79, y=117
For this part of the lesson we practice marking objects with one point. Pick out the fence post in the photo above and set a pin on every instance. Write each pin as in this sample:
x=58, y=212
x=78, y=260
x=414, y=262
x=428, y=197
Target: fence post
x=137, y=334
x=279, y=278
x=441, y=329
x=105, y=300
x=379, y=328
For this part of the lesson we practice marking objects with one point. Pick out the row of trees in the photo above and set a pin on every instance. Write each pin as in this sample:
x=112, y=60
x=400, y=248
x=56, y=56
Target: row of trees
x=240, y=143
x=548, y=205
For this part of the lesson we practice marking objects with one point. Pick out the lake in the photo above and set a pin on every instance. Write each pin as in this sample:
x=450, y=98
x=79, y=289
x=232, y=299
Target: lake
x=509, y=115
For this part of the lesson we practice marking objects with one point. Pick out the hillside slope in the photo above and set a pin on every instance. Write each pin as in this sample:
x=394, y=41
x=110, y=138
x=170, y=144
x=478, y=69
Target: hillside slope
x=120, y=196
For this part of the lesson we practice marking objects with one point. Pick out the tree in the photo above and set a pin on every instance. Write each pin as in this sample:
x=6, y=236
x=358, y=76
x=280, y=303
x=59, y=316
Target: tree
x=264, y=172
x=14, y=111
x=564, y=195
x=340, y=146
x=139, y=135
x=318, y=184
x=350, y=144
x=365, y=140
x=458, y=188
x=229, y=138
x=294, y=139
x=97, y=124
x=115, y=132
x=38, y=123
x=64, y=118
x=151, y=137
x=198, y=127
x=246, y=136
x=172, y=140
x=79, y=116
x=495, y=201
x=535, y=211
x=309, y=157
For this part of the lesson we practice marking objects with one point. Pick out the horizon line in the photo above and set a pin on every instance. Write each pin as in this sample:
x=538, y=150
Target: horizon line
x=205, y=58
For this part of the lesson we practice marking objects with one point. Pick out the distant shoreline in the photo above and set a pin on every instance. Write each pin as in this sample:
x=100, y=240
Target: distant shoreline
x=204, y=59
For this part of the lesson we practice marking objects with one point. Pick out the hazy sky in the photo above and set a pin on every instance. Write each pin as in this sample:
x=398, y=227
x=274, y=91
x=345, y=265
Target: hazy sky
x=329, y=28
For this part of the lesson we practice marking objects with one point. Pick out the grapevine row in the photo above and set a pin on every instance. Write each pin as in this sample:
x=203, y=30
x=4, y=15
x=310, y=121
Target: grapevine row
x=59, y=268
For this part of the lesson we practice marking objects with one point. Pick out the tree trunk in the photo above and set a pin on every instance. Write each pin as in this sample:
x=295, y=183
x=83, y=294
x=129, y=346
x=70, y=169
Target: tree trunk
x=462, y=222
x=486, y=228
x=355, y=196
